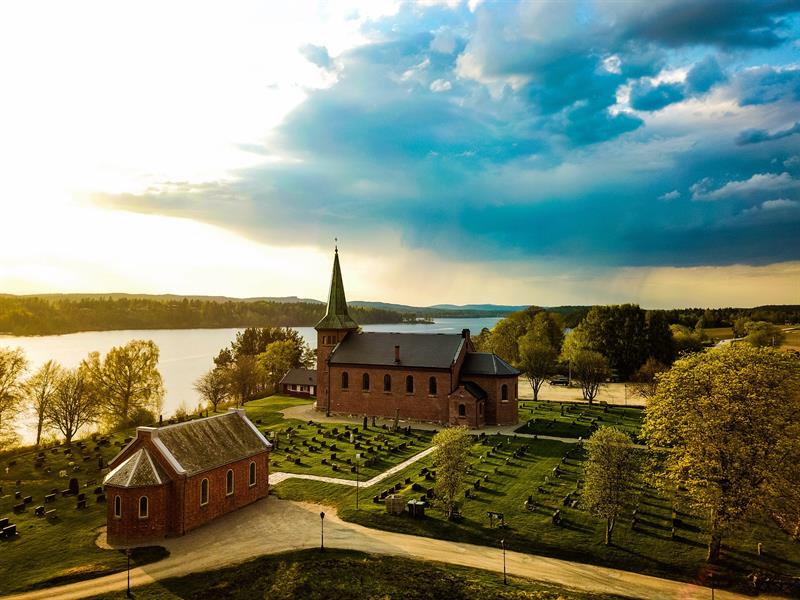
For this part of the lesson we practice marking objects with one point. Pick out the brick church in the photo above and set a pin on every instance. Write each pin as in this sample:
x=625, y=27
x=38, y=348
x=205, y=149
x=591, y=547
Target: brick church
x=418, y=376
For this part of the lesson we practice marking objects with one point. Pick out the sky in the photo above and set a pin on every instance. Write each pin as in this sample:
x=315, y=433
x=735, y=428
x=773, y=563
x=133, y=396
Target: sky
x=542, y=153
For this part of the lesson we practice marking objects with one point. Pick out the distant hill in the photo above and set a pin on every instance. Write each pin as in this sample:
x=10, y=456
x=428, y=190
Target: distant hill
x=166, y=297
x=441, y=310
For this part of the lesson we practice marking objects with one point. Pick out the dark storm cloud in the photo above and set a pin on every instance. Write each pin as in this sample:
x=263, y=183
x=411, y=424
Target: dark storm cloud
x=514, y=146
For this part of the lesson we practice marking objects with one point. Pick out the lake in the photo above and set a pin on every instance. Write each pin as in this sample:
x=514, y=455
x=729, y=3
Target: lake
x=186, y=354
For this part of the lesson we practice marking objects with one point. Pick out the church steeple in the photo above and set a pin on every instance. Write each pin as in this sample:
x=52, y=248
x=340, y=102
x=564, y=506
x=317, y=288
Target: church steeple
x=337, y=316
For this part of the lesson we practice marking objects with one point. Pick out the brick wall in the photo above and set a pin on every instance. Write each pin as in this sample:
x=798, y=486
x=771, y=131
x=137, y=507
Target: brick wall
x=326, y=342
x=475, y=410
x=219, y=503
x=419, y=405
x=498, y=412
x=129, y=527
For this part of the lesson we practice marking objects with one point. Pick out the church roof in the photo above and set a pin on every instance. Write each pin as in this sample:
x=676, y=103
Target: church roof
x=486, y=363
x=138, y=470
x=337, y=315
x=431, y=350
x=202, y=444
x=300, y=377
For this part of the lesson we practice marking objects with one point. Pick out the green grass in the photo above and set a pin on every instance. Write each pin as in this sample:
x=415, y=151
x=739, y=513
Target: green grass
x=63, y=549
x=649, y=549
x=336, y=574
x=575, y=419
x=310, y=443
x=719, y=333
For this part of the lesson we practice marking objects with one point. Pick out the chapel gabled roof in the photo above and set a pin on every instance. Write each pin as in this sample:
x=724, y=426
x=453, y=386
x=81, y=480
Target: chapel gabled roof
x=203, y=444
x=300, y=377
x=486, y=363
x=139, y=470
x=426, y=350
x=337, y=315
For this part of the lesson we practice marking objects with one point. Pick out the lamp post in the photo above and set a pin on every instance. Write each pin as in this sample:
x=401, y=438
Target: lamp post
x=128, y=554
x=503, y=545
x=322, y=532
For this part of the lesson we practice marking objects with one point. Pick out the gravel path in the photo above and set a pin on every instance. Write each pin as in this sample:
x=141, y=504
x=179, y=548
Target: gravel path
x=272, y=525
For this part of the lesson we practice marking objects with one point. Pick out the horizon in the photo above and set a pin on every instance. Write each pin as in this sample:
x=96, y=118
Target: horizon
x=594, y=153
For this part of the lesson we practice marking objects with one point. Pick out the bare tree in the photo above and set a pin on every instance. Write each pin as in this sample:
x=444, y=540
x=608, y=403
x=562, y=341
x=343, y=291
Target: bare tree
x=591, y=370
x=39, y=390
x=213, y=387
x=73, y=404
x=12, y=367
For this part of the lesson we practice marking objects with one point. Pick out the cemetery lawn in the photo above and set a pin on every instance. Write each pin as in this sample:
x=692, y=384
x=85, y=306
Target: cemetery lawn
x=54, y=551
x=575, y=419
x=306, y=448
x=649, y=549
x=337, y=574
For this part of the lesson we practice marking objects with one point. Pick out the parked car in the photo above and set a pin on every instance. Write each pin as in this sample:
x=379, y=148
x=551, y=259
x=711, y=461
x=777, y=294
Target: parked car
x=559, y=380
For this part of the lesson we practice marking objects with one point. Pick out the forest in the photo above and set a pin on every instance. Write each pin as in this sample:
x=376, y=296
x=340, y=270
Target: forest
x=32, y=315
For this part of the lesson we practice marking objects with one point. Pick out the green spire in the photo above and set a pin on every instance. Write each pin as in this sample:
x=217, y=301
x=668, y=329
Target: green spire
x=337, y=316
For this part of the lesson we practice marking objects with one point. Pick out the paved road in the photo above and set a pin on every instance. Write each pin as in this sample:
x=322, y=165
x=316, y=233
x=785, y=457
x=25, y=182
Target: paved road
x=272, y=525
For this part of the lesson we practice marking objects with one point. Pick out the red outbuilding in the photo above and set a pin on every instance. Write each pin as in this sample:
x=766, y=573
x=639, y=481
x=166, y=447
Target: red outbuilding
x=170, y=480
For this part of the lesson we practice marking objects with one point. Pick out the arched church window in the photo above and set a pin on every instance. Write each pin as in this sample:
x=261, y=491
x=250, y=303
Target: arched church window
x=409, y=385
x=387, y=383
x=504, y=392
x=432, y=386
x=365, y=382
x=345, y=380
x=462, y=410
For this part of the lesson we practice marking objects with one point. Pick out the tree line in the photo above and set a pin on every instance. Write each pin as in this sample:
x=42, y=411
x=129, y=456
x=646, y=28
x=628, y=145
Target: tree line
x=31, y=315
x=121, y=389
x=621, y=342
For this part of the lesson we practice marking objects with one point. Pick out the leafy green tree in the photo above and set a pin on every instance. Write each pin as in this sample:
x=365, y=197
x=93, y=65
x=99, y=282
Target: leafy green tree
x=213, y=387
x=537, y=359
x=243, y=378
x=12, y=367
x=591, y=370
x=450, y=460
x=761, y=333
x=278, y=358
x=73, y=405
x=39, y=391
x=575, y=341
x=504, y=337
x=686, y=340
x=549, y=327
x=619, y=333
x=610, y=468
x=660, y=343
x=729, y=419
x=126, y=381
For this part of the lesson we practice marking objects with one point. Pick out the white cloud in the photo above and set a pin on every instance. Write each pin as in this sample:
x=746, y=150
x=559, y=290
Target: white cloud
x=673, y=195
x=757, y=184
x=792, y=161
x=444, y=41
x=779, y=204
x=441, y=85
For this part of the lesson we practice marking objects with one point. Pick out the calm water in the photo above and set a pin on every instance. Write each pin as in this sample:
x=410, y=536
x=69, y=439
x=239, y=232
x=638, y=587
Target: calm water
x=185, y=353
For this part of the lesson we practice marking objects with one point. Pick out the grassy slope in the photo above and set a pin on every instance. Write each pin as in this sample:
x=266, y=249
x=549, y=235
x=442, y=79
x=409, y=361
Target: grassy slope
x=562, y=419
x=342, y=574
x=650, y=549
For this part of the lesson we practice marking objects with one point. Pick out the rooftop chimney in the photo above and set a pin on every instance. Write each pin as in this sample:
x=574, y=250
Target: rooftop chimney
x=397, y=353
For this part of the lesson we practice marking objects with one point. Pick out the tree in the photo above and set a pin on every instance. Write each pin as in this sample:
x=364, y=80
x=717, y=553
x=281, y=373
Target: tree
x=645, y=381
x=660, y=343
x=73, y=405
x=609, y=470
x=537, y=359
x=450, y=459
x=12, y=366
x=619, y=333
x=243, y=377
x=39, y=390
x=686, y=340
x=213, y=387
x=728, y=417
x=549, y=327
x=574, y=342
x=761, y=333
x=591, y=370
x=127, y=380
x=278, y=358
